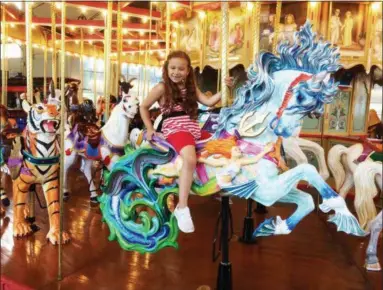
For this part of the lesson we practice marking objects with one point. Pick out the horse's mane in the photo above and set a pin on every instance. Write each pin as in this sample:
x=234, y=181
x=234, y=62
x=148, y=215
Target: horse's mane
x=305, y=55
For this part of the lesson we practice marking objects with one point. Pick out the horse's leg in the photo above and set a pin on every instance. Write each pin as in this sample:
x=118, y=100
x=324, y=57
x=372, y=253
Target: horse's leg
x=372, y=262
x=69, y=160
x=51, y=193
x=20, y=192
x=305, y=205
x=275, y=188
x=318, y=151
x=86, y=168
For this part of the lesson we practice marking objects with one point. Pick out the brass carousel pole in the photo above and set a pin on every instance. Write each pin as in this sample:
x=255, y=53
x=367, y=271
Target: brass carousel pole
x=4, y=40
x=256, y=17
x=28, y=40
x=95, y=75
x=107, y=64
x=53, y=30
x=145, y=70
x=147, y=55
x=81, y=86
x=167, y=29
x=224, y=281
x=62, y=130
x=28, y=47
x=276, y=25
x=119, y=44
x=45, y=65
x=224, y=47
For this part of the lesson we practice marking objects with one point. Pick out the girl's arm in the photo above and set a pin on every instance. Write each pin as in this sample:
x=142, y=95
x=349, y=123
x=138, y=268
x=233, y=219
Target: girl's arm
x=154, y=96
x=204, y=100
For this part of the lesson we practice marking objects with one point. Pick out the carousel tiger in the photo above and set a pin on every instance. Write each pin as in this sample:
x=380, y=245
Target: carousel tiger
x=40, y=165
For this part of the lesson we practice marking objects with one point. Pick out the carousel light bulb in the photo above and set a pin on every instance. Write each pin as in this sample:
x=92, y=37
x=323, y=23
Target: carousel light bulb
x=83, y=9
x=144, y=19
x=141, y=52
x=18, y=5
x=12, y=25
x=174, y=34
x=104, y=13
x=58, y=5
x=77, y=41
x=125, y=31
x=142, y=42
x=91, y=29
x=130, y=42
x=125, y=16
x=141, y=33
x=313, y=4
x=155, y=42
x=376, y=6
x=174, y=6
x=175, y=24
x=150, y=52
x=249, y=6
x=73, y=28
x=33, y=26
x=90, y=42
x=201, y=15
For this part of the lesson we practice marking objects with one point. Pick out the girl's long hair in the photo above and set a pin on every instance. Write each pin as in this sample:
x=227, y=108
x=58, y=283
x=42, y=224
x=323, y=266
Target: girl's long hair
x=172, y=92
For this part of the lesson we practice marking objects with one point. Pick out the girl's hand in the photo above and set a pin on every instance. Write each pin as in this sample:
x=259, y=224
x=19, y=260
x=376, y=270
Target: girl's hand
x=150, y=134
x=229, y=81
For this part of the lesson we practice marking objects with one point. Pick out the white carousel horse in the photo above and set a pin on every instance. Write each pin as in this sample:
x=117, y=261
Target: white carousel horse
x=105, y=145
x=368, y=176
x=342, y=162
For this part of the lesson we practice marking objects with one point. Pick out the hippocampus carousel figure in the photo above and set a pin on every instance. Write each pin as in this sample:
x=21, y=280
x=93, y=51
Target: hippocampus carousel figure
x=40, y=156
x=106, y=145
x=280, y=92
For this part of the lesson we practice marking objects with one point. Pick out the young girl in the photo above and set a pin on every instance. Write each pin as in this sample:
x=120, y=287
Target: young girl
x=177, y=96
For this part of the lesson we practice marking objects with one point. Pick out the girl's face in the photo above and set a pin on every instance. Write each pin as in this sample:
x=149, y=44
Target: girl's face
x=178, y=69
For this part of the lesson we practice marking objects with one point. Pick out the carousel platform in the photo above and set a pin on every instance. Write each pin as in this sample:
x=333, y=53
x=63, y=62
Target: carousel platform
x=314, y=256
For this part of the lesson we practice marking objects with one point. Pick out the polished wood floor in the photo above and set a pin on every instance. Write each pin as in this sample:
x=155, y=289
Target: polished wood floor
x=314, y=256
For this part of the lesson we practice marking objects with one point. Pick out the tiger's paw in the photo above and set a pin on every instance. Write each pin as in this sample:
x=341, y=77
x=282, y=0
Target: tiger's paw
x=53, y=237
x=21, y=229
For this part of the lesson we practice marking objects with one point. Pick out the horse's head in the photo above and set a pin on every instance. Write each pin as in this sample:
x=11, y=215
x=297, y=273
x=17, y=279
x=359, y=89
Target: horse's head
x=125, y=86
x=288, y=87
x=71, y=90
x=129, y=106
x=303, y=94
x=86, y=112
x=54, y=96
x=42, y=118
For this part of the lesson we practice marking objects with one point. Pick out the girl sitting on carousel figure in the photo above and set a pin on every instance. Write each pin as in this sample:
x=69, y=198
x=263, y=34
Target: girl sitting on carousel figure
x=178, y=97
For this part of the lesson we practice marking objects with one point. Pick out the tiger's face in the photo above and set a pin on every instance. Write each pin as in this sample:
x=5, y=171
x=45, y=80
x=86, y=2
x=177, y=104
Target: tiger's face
x=42, y=118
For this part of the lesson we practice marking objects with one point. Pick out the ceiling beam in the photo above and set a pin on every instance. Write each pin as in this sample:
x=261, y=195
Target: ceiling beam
x=96, y=24
x=131, y=11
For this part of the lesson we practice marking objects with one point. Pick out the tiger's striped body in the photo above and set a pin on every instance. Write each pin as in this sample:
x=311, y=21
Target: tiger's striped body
x=40, y=165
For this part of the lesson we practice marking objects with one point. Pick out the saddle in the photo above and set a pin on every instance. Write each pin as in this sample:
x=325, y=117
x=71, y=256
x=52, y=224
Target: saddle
x=91, y=132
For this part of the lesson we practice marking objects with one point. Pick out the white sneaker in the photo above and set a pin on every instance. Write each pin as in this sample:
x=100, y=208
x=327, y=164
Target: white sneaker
x=184, y=220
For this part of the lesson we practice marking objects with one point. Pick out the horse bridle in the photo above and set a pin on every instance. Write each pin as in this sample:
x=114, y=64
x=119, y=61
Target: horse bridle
x=288, y=95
